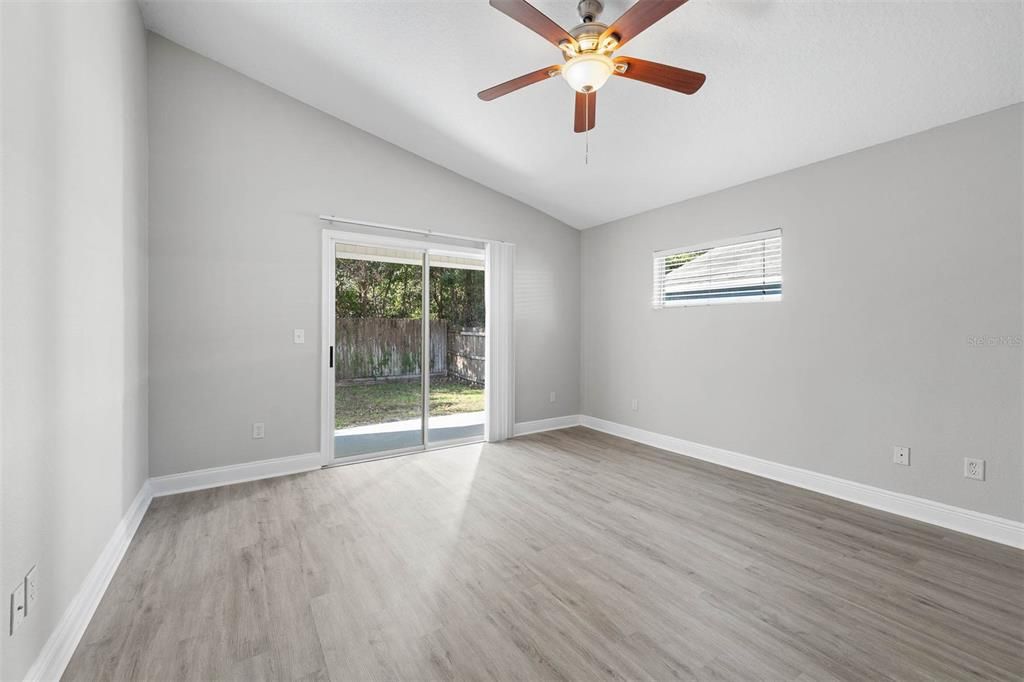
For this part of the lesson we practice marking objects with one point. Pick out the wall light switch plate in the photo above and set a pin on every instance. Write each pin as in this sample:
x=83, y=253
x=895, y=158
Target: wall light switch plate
x=257, y=430
x=901, y=455
x=300, y=336
x=974, y=468
x=635, y=404
x=551, y=397
x=31, y=590
x=17, y=607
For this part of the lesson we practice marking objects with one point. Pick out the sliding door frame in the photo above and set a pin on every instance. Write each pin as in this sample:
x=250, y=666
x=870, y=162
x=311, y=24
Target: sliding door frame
x=331, y=238
x=425, y=355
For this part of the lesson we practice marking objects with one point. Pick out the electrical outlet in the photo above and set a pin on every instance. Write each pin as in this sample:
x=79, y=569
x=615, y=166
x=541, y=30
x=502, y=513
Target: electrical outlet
x=551, y=397
x=257, y=430
x=635, y=404
x=901, y=455
x=31, y=590
x=17, y=607
x=974, y=468
x=300, y=336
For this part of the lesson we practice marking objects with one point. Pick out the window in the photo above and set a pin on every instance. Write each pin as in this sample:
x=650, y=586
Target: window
x=747, y=268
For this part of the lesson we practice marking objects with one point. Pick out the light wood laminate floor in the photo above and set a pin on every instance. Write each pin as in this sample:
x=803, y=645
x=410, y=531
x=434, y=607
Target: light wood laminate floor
x=563, y=555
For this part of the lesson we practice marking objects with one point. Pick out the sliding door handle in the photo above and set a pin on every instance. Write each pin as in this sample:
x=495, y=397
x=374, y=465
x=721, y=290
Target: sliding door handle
x=332, y=357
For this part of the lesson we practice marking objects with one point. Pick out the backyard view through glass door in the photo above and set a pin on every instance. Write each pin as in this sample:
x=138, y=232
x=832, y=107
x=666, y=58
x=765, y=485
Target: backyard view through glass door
x=383, y=401
x=456, y=293
x=378, y=347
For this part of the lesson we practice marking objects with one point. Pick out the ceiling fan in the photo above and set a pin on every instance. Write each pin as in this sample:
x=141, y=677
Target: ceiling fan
x=588, y=50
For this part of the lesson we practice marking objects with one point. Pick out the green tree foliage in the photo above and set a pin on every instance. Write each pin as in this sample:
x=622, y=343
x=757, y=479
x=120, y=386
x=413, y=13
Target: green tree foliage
x=680, y=259
x=375, y=289
x=457, y=295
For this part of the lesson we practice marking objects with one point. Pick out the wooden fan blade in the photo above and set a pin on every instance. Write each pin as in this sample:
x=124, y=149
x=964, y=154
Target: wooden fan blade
x=662, y=75
x=639, y=18
x=533, y=19
x=517, y=83
x=585, y=110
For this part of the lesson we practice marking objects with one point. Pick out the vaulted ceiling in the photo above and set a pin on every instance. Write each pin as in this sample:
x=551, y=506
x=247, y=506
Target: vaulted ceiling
x=789, y=83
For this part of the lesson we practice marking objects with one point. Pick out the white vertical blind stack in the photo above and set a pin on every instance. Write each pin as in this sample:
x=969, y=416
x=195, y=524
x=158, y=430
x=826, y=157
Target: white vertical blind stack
x=499, y=372
x=747, y=268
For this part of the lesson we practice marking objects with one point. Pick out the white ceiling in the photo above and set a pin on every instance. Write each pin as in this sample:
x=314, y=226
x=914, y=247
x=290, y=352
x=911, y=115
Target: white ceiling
x=789, y=83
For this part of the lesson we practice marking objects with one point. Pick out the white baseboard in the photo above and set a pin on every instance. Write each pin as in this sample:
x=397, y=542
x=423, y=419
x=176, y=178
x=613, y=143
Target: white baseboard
x=523, y=428
x=57, y=652
x=234, y=473
x=995, y=528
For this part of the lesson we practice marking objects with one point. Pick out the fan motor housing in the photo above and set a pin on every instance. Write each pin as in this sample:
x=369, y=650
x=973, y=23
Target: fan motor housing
x=591, y=29
x=588, y=35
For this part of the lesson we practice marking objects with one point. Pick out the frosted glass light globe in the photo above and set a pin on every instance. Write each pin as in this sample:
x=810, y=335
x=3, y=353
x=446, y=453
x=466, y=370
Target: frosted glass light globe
x=587, y=72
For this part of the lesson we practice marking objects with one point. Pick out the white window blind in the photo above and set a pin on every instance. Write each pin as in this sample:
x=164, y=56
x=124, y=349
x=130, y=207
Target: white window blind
x=747, y=268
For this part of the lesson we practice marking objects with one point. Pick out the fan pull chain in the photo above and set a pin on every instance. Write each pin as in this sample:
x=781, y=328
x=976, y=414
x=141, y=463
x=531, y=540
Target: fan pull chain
x=586, y=135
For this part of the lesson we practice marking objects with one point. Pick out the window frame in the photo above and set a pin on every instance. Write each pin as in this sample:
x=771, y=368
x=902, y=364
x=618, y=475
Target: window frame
x=658, y=301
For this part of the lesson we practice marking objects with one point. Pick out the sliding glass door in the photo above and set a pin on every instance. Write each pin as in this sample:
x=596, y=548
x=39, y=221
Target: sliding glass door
x=456, y=288
x=403, y=381
x=378, y=345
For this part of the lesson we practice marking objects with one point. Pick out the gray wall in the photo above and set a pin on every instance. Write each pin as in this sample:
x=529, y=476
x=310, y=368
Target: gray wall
x=892, y=257
x=74, y=297
x=239, y=173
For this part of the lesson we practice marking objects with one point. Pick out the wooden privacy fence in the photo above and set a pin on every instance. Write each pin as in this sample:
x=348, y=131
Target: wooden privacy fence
x=384, y=348
x=466, y=354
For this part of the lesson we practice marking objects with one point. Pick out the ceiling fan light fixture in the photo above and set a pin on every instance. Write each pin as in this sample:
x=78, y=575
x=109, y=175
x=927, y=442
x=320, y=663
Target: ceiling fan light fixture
x=587, y=72
x=588, y=49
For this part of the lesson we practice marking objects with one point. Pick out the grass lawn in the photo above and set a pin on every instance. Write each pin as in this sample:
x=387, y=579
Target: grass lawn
x=389, y=401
